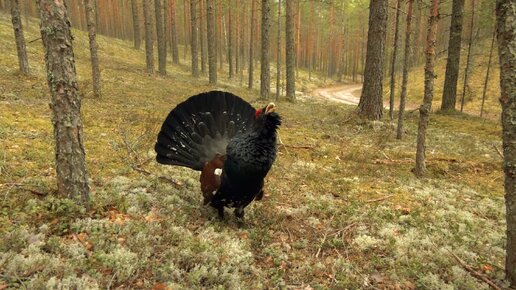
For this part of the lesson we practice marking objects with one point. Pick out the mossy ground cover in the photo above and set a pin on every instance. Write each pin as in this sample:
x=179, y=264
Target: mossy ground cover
x=342, y=207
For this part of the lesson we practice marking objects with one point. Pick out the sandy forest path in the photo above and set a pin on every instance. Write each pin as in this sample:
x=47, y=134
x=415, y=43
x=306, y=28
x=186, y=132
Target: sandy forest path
x=350, y=94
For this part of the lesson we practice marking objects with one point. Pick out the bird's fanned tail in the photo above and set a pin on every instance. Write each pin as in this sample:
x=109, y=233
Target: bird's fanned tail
x=200, y=127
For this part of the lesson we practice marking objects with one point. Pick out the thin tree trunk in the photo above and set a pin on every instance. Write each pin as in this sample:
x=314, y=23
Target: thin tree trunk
x=95, y=70
x=290, y=52
x=265, y=75
x=72, y=176
x=136, y=24
x=487, y=74
x=251, y=45
x=212, y=49
x=149, y=53
x=202, y=38
x=20, y=39
x=278, y=61
x=470, y=43
x=452, y=64
x=424, y=110
x=193, y=43
x=406, y=59
x=230, y=41
x=173, y=32
x=506, y=35
x=371, y=103
x=393, y=62
x=162, y=44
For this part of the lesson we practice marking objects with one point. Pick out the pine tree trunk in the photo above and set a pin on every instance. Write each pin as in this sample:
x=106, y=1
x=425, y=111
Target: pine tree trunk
x=162, y=44
x=202, y=37
x=173, y=31
x=149, y=53
x=424, y=110
x=20, y=39
x=406, y=59
x=506, y=35
x=237, y=38
x=136, y=24
x=265, y=75
x=487, y=74
x=193, y=43
x=230, y=41
x=393, y=62
x=289, y=52
x=278, y=61
x=452, y=64
x=212, y=49
x=72, y=176
x=95, y=70
x=371, y=102
x=468, y=57
x=251, y=46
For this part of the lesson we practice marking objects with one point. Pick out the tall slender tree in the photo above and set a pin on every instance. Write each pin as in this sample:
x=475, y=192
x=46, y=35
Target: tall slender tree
x=265, y=73
x=406, y=59
x=506, y=35
x=290, y=52
x=20, y=39
x=72, y=176
x=95, y=69
x=149, y=50
x=136, y=24
x=162, y=43
x=449, y=99
x=371, y=103
x=393, y=61
x=278, y=54
x=251, y=46
x=424, y=110
x=230, y=40
x=202, y=38
x=193, y=42
x=173, y=32
x=468, y=56
x=212, y=48
x=486, y=80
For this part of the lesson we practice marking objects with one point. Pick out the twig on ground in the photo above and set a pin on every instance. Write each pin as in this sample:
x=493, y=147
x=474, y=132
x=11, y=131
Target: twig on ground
x=34, y=40
x=323, y=239
x=299, y=146
x=380, y=198
x=475, y=273
x=281, y=143
x=498, y=151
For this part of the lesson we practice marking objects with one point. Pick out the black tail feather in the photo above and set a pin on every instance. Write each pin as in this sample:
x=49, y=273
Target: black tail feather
x=198, y=128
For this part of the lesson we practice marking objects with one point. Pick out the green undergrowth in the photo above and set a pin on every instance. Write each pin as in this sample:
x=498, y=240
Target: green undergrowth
x=342, y=208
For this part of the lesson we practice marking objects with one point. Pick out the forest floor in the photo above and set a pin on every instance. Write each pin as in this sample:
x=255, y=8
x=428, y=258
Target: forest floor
x=342, y=207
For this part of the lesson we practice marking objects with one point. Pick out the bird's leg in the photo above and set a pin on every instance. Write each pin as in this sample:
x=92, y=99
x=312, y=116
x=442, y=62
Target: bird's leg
x=220, y=210
x=239, y=212
x=259, y=196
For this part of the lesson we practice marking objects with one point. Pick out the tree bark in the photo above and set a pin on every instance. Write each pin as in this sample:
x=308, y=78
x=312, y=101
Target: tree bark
x=149, y=53
x=230, y=41
x=265, y=75
x=406, y=59
x=251, y=46
x=162, y=44
x=424, y=110
x=20, y=39
x=506, y=35
x=72, y=176
x=393, y=62
x=468, y=57
x=487, y=74
x=371, y=103
x=95, y=70
x=136, y=24
x=212, y=49
x=173, y=33
x=193, y=43
x=452, y=64
x=202, y=39
x=290, y=52
x=278, y=61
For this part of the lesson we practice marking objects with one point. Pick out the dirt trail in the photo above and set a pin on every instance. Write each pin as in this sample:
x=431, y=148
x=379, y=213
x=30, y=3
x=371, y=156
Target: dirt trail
x=350, y=94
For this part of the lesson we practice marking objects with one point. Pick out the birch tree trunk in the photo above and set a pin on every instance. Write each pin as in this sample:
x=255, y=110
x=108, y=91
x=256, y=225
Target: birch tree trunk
x=265, y=75
x=149, y=53
x=72, y=177
x=506, y=32
x=424, y=110
x=20, y=39
x=95, y=70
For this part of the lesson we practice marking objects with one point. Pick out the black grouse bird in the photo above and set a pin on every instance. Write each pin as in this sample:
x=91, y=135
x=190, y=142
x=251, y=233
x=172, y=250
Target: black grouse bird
x=223, y=136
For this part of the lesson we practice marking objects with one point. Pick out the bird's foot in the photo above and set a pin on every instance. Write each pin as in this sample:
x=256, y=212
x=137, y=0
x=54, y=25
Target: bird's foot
x=239, y=212
x=220, y=210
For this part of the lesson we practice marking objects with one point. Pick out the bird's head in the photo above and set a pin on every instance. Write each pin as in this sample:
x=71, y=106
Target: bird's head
x=265, y=110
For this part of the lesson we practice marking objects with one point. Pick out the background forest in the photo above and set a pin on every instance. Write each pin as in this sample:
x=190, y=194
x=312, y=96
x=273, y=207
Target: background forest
x=343, y=208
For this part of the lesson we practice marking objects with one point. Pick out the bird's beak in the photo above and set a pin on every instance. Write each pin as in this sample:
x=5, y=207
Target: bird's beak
x=270, y=108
